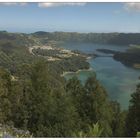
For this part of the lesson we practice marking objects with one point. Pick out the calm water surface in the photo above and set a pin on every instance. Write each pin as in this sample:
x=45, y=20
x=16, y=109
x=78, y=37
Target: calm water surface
x=119, y=80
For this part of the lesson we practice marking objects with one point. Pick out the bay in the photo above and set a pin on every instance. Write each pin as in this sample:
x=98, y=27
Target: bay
x=119, y=81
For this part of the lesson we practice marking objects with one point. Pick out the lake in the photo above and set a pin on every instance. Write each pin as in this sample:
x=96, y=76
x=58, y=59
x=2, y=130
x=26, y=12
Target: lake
x=119, y=81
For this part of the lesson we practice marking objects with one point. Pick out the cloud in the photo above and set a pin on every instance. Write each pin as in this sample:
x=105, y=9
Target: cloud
x=56, y=4
x=132, y=6
x=13, y=3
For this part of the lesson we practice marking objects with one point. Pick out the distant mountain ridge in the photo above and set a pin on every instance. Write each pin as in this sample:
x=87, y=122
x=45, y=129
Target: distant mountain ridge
x=44, y=37
x=108, y=38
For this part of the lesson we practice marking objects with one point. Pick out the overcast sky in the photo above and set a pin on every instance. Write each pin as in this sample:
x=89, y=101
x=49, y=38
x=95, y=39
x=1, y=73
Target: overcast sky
x=73, y=17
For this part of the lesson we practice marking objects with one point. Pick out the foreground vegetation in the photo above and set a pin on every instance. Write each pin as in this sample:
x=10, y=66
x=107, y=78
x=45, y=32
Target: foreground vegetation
x=35, y=101
x=47, y=106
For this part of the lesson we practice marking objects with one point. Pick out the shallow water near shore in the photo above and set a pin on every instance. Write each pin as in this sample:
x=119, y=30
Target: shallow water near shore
x=82, y=75
x=119, y=81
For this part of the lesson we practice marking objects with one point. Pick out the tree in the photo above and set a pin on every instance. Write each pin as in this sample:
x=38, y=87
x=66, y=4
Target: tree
x=98, y=106
x=133, y=117
x=118, y=121
x=77, y=93
x=42, y=105
x=5, y=93
x=91, y=103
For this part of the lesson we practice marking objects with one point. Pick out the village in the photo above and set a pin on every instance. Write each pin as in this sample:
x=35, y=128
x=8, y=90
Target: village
x=58, y=53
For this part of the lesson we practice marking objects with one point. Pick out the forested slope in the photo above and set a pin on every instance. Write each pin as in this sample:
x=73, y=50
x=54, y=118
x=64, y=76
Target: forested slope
x=34, y=97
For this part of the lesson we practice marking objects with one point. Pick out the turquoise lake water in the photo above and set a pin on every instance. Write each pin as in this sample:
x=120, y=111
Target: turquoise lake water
x=119, y=81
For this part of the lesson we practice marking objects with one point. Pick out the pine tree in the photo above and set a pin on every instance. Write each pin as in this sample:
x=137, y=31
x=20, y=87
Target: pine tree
x=45, y=108
x=98, y=106
x=133, y=117
x=91, y=103
x=77, y=93
x=118, y=122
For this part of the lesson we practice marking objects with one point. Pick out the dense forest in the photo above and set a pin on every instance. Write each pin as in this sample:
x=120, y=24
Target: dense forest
x=35, y=101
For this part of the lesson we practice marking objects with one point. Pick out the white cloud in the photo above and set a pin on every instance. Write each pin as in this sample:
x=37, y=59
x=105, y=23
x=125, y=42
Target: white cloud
x=132, y=6
x=56, y=4
x=13, y=3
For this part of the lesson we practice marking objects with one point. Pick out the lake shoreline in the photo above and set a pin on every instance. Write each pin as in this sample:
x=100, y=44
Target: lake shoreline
x=76, y=72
